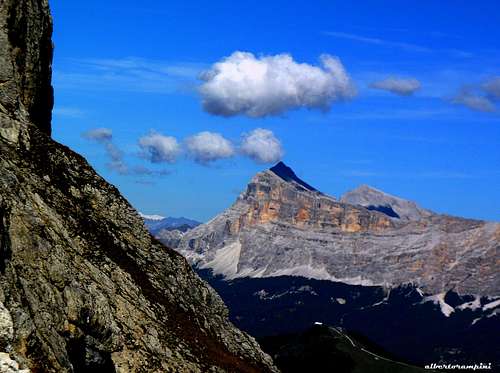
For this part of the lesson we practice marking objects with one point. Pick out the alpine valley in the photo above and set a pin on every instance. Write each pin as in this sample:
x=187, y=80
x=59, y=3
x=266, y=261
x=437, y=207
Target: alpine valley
x=422, y=286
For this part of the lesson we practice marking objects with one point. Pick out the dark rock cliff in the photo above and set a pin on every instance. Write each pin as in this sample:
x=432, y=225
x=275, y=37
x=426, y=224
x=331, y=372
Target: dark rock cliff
x=25, y=66
x=83, y=286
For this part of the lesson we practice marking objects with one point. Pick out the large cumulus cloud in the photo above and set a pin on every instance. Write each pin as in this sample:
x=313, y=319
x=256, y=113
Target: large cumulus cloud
x=262, y=146
x=271, y=85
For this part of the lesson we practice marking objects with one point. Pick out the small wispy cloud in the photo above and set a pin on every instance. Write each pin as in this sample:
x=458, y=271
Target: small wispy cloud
x=127, y=74
x=492, y=87
x=396, y=85
x=377, y=41
x=409, y=47
x=474, y=101
x=439, y=174
x=102, y=135
x=116, y=157
x=401, y=114
x=482, y=97
x=68, y=112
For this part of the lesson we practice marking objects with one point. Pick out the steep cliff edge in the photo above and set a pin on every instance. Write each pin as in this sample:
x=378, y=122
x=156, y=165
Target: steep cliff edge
x=26, y=94
x=83, y=286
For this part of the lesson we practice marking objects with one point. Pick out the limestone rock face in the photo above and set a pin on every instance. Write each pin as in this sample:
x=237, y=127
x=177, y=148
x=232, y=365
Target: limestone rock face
x=83, y=286
x=279, y=227
x=25, y=67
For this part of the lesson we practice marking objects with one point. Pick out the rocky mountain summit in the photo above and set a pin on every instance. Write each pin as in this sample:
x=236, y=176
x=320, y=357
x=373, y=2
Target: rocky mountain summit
x=376, y=200
x=281, y=226
x=83, y=286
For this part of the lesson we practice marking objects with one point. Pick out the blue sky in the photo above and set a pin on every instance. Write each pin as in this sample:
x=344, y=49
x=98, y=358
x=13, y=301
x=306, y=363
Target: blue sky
x=134, y=69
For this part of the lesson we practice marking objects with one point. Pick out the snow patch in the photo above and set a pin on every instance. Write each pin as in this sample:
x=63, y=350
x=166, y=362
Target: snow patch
x=474, y=305
x=490, y=306
x=319, y=273
x=476, y=320
x=151, y=217
x=264, y=295
x=446, y=309
x=225, y=261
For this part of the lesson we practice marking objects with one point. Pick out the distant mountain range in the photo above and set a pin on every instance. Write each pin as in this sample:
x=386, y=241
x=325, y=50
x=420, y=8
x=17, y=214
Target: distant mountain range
x=158, y=223
x=282, y=226
x=423, y=286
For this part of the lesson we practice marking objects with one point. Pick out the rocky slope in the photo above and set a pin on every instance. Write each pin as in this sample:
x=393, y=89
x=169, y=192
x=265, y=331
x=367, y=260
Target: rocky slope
x=282, y=226
x=83, y=285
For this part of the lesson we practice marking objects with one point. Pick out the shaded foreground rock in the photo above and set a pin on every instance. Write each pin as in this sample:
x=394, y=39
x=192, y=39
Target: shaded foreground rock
x=83, y=285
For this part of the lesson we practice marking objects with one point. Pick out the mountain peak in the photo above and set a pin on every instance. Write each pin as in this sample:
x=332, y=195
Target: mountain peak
x=376, y=199
x=368, y=188
x=286, y=173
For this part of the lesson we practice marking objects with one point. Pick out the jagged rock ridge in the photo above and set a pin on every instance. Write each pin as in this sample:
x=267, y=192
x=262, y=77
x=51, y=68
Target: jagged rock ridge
x=83, y=286
x=275, y=228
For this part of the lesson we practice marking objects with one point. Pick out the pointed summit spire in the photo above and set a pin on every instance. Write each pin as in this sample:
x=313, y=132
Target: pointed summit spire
x=286, y=173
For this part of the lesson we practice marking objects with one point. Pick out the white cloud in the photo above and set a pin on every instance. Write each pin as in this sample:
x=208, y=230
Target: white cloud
x=116, y=157
x=206, y=147
x=262, y=146
x=127, y=74
x=492, y=87
x=159, y=148
x=104, y=136
x=99, y=134
x=271, y=85
x=474, y=101
x=380, y=42
x=68, y=112
x=399, y=86
x=408, y=47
